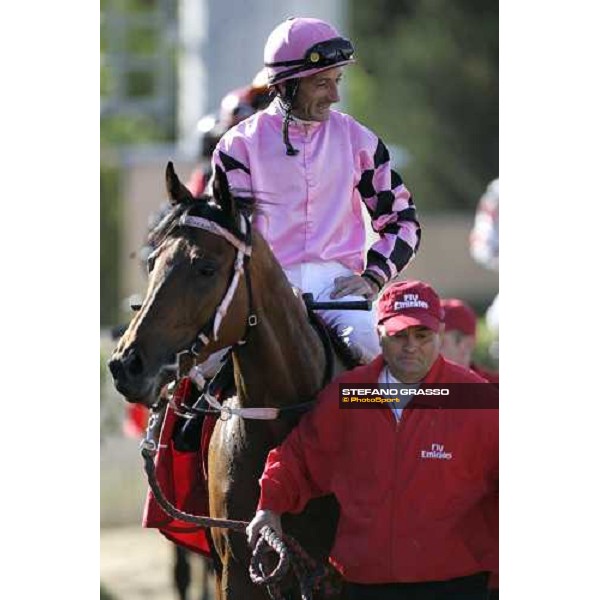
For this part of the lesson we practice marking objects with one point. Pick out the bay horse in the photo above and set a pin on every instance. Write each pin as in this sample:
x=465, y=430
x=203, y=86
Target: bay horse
x=213, y=272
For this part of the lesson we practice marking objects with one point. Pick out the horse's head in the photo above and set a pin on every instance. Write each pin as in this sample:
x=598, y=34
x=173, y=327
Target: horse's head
x=198, y=247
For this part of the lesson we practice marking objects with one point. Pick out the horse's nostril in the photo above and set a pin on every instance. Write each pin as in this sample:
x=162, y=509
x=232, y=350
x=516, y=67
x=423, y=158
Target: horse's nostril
x=133, y=364
x=115, y=367
x=129, y=366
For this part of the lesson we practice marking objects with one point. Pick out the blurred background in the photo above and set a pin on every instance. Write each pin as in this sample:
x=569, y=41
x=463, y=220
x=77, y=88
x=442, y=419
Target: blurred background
x=426, y=81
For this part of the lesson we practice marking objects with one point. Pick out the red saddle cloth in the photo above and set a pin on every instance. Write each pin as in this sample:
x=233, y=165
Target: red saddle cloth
x=182, y=479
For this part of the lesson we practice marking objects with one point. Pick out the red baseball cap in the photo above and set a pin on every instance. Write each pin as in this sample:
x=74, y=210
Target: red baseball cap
x=459, y=316
x=406, y=304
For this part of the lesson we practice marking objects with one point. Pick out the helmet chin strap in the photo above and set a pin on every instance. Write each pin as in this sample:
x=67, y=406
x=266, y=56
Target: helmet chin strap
x=288, y=98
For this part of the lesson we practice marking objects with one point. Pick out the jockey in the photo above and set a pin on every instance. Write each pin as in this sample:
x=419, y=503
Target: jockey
x=309, y=168
x=236, y=106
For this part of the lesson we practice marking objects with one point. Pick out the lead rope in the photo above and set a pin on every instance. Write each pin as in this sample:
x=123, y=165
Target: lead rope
x=310, y=575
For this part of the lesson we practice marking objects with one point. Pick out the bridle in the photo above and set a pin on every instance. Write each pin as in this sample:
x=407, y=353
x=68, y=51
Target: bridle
x=243, y=245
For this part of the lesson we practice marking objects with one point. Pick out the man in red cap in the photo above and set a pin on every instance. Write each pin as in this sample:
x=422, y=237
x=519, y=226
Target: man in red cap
x=417, y=487
x=460, y=336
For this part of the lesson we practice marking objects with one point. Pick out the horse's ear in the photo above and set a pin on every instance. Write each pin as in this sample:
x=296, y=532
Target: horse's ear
x=175, y=189
x=222, y=194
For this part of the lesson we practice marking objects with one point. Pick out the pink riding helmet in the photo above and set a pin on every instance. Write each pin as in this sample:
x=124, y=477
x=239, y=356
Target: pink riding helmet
x=302, y=46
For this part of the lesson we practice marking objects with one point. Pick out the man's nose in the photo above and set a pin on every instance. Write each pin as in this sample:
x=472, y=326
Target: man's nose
x=334, y=95
x=410, y=344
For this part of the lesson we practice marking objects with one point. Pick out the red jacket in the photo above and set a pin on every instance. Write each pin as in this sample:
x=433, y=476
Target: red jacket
x=404, y=516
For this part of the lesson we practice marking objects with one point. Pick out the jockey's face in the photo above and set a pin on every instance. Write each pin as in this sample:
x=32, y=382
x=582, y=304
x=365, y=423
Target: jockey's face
x=316, y=94
x=410, y=353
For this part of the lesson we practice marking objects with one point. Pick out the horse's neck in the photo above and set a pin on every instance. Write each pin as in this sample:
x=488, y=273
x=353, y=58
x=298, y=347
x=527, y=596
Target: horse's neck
x=283, y=361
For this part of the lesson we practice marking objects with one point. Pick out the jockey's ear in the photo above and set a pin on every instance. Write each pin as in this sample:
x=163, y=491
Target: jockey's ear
x=222, y=195
x=176, y=191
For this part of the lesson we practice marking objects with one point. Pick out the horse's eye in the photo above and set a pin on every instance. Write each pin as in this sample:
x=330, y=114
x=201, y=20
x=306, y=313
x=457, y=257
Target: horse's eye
x=206, y=271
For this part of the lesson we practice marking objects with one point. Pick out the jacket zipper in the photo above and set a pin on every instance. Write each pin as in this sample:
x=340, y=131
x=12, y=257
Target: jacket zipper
x=392, y=521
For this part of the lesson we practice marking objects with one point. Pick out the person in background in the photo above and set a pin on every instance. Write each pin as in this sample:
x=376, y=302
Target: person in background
x=484, y=242
x=236, y=105
x=460, y=337
x=417, y=487
x=309, y=169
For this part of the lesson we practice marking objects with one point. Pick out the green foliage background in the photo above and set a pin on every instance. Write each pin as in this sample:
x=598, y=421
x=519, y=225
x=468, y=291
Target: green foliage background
x=427, y=80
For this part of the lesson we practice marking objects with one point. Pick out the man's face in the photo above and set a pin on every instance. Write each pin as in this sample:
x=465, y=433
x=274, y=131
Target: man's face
x=458, y=347
x=316, y=94
x=410, y=353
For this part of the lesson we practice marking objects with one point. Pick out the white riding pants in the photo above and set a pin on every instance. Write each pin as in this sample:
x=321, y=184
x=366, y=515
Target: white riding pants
x=356, y=327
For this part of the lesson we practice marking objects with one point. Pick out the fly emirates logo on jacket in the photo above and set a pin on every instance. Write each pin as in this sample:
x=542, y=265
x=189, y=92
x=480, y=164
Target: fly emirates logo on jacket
x=436, y=452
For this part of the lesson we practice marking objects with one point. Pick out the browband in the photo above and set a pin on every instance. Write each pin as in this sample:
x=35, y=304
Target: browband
x=212, y=227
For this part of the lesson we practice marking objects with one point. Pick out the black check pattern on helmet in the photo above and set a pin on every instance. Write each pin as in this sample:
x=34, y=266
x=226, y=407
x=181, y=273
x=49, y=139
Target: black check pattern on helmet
x=231, y=163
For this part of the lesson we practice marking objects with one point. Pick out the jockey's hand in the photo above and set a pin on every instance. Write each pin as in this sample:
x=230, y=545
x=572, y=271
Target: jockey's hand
x=354, y=285
x=262, y=518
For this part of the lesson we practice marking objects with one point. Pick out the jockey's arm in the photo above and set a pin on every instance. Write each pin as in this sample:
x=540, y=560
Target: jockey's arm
x=393, y=218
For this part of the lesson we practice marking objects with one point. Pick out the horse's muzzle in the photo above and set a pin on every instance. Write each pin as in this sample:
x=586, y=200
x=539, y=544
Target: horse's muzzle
x=128, y=374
